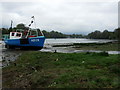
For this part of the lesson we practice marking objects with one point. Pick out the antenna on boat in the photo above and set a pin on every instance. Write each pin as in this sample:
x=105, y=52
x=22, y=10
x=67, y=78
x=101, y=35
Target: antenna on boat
x=11, y=24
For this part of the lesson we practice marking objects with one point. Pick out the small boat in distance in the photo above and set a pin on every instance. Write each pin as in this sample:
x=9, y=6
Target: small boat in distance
x=25, y=39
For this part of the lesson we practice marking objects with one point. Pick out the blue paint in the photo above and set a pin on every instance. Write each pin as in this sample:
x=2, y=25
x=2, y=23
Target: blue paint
x=33, y=41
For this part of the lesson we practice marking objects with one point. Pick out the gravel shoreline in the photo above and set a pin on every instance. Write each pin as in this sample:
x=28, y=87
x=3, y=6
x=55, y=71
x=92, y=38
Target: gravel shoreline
x=7, y=56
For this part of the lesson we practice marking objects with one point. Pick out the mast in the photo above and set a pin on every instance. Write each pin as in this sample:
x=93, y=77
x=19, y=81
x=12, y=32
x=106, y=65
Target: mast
x=11, y=25
x=35, y=26
x=33, y=20
x=29, y=26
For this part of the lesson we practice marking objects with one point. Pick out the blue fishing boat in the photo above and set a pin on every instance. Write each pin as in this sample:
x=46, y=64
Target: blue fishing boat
x=25, y=39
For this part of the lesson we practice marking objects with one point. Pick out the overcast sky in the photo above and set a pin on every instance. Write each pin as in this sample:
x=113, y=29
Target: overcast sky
x=66, y=16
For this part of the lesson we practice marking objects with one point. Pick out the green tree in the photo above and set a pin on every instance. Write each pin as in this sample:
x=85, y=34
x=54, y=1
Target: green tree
x=21, y=26
x=95, y=35
x=105, y=34
x=5, y=31
x=117, y=33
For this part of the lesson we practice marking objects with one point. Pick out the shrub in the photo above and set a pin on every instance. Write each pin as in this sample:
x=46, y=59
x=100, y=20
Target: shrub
x=104, y=53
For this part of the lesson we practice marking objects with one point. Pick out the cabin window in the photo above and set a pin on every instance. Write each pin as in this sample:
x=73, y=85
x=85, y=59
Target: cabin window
x=19, y=35
x=13, y=34
x=33, y=32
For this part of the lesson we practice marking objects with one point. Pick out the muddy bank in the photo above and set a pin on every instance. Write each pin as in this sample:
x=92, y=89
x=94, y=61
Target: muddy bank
x=110, y=47
x=9, y=56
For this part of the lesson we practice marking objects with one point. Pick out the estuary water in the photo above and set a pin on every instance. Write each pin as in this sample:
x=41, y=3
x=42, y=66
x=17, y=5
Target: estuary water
x=75, y=40
x=50, y=42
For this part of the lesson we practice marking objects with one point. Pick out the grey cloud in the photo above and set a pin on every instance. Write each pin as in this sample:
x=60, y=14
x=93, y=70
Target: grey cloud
x=66, y=17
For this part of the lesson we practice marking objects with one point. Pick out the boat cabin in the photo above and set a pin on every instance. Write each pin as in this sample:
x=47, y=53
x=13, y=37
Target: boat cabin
x=25, y=34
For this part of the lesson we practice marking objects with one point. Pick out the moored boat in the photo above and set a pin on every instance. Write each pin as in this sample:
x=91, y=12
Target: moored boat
x=25, y=39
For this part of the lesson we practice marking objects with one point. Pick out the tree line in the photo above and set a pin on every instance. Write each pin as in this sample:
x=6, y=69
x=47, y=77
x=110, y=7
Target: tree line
x=105, y=34
x=55, y=34
x=51, y=34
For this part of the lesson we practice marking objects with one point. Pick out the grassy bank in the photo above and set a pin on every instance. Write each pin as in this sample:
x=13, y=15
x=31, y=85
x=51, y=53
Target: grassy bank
x=93, y=46
x=58, y=70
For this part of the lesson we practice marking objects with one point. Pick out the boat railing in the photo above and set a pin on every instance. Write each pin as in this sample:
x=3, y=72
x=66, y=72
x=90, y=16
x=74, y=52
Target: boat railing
x=34, y=33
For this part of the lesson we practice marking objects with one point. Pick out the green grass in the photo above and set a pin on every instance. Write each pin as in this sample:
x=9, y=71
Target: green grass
x=63, y=70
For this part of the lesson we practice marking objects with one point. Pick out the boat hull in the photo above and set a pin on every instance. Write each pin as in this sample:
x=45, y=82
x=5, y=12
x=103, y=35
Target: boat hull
x=26, y=43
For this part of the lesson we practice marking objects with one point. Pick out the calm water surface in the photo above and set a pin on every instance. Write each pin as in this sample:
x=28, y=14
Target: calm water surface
x=69, y=41
x=50, y=42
